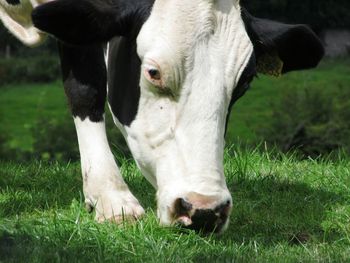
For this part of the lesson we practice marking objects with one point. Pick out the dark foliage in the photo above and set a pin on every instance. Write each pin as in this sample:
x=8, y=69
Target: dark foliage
x=10, y=46
x=313, y=122
x=55, y=140
x=8, y=153
x=43, y=68
x=4, y=150
x=319, y=14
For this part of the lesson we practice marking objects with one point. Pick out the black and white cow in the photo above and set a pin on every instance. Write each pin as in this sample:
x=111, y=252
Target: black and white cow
x=171, y=70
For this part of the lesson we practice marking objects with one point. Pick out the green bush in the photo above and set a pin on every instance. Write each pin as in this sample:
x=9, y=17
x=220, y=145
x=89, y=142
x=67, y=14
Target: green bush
x=4, y=138
x=313, y=122
x=7, y=153
x=43, y=68
x=55, y=140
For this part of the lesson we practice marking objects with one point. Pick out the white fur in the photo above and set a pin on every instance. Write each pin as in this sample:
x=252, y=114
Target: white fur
x=17, y=19
x=104, y=188
x=202, y=49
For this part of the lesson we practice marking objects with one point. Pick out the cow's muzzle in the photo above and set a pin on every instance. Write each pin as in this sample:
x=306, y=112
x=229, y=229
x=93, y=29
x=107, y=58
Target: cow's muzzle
x=202, y=213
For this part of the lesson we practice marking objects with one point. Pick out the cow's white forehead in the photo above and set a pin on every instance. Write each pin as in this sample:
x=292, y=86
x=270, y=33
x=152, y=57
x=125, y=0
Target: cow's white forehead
x=177, y=24
x=189, y=19
x=178, y=30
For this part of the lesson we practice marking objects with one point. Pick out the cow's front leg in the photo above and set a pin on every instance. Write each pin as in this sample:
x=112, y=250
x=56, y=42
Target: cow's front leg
x=84, y=75
x=104, y=188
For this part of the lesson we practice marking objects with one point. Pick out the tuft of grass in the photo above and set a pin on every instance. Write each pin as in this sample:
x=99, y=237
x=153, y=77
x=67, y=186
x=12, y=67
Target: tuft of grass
x=285, y=210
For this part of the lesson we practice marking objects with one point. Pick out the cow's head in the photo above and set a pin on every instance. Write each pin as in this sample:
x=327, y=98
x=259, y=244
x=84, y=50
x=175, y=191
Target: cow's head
x=197, y=58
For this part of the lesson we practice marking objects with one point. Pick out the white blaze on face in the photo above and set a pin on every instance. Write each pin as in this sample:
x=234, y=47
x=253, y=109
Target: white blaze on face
x=17, y=18
x=199, y=49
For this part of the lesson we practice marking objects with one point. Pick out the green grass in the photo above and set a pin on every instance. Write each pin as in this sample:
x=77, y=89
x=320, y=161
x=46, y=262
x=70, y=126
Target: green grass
x=284, y=211
x=253, y=111
x=21, y=105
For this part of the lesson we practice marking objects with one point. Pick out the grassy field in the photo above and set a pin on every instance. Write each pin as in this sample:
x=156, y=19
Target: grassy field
x=284, y=211
x=253, y=111
x=21, y=105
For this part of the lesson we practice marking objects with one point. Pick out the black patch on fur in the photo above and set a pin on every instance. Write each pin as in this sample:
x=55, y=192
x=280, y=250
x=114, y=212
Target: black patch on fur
x=85, y=77
x=123, y=79
x=13, y=2
x=243, y=84
x=296, y=45
x=244, y=81
x=83, y=22
x=124, y=70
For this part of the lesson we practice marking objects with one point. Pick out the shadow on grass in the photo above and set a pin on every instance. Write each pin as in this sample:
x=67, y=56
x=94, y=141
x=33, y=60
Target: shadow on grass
x=267, y=211
x=270, y=211
x=37, y=187
x=44, y=187
x=25, y=248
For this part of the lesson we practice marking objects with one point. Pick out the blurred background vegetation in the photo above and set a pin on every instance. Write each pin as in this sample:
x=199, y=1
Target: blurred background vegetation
x=319, y=14
x=306, y=112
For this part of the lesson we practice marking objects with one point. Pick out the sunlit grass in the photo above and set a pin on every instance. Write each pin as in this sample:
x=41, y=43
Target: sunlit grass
x=284, y=211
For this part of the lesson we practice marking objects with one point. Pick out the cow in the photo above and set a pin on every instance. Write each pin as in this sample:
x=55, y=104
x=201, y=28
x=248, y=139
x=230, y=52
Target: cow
x=170, y=70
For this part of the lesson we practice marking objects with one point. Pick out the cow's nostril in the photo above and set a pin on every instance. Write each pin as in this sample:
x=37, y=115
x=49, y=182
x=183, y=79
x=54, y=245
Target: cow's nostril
x=154, y=74
x=182, y=207
x=206, y=220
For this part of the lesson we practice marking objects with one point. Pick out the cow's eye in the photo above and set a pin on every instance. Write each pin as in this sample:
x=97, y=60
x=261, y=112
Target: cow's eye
x=154, y=74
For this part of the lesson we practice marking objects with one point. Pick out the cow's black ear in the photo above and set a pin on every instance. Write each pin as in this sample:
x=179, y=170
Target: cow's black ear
x=82, y=22
x=280, y=48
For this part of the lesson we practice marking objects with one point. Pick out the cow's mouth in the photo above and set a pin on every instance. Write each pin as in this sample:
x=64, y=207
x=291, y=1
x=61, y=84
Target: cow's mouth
x=202, y=217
